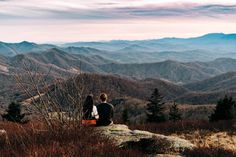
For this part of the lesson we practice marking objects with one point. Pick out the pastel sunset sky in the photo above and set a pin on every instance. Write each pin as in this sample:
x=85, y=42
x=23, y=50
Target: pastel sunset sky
x=91, y=20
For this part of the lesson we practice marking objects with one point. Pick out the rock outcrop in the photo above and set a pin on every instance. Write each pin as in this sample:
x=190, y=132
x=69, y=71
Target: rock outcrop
x=145, y=141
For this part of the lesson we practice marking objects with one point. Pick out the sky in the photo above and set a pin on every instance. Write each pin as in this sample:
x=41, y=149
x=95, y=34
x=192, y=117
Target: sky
x=95, y=20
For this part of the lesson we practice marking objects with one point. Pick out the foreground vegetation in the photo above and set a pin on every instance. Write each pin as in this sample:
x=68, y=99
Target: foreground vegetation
x=38, y=139
x=213, y=139
x=210, y=152
x=187, y=126
x=33, y=139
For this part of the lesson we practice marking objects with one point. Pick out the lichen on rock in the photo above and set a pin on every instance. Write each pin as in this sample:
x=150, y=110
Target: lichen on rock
x=145, y=141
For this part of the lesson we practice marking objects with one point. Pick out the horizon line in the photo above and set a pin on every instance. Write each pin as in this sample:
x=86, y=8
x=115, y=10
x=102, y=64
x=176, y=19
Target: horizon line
x=66, y=42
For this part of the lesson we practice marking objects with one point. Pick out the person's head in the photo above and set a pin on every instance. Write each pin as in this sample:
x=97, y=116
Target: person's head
x=88, y=105
x=89, y=100
x=103, y=97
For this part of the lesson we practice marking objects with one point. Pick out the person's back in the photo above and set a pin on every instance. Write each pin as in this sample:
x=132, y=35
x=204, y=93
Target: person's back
x=90, y=114
x=105, y=111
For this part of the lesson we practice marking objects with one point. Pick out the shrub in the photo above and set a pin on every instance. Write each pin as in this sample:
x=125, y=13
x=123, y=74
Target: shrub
x=14, y=113
x=225, y=109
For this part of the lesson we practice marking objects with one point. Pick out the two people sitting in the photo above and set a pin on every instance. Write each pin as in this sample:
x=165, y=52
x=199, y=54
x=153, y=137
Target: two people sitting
x=100, y=115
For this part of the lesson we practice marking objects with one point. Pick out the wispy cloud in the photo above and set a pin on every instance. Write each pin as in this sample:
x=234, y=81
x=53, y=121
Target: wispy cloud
x=109, y=10
x=183, y=11
x=67, y=20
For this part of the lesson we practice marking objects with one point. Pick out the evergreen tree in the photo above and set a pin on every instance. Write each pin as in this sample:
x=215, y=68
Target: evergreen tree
x=174, y=113
x=225, y=109
x=155, y=108
x=14, y=113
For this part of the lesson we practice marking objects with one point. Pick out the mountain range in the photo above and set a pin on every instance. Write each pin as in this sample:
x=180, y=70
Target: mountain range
x=55, y=61
x=202, y=82
x=223, y=82
x=185, y=70
x=61, y=64
x=165, y=44
x=11, y=49
x=203, y=48
x=178, y=72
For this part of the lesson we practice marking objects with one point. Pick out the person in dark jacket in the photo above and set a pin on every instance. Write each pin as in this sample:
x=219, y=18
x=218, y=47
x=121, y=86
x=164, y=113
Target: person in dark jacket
x=105, y=111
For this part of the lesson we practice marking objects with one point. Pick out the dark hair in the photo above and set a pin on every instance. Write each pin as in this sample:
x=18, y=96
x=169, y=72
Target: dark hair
x=88, y=107
x=103, y=96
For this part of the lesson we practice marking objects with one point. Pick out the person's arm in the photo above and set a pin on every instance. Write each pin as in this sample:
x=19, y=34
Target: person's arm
x=112, y=111
x=95, y=112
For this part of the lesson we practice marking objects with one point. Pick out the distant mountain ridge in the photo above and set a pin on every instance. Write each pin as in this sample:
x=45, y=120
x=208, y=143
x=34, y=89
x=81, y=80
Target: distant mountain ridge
x=60, y=63
x=57, y=62
x=11, y=49
x=204, y=48
x=223, y=82
x=192, y=70
x=91, y=60
x=174, y=71
x=204, y=97
x=215, y=43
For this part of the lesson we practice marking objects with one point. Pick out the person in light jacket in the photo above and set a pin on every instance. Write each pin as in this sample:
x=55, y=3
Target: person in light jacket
x=90, y=113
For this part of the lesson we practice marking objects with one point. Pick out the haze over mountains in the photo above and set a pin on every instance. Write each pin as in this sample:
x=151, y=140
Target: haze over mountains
x=11, y=49
x=204, y=48
x=61, y=63
x=193, y=70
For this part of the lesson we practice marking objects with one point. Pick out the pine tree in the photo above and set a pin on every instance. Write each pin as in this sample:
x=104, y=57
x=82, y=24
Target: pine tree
x=174, y=113
x=155, y=108
x=14, y=113
x=225, y=109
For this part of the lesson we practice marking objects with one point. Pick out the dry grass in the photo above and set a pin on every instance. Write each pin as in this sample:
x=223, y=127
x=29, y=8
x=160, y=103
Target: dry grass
x=187, y=126
x=223, y=140
x=209, y=152
x=216, y=139
x=33, y=139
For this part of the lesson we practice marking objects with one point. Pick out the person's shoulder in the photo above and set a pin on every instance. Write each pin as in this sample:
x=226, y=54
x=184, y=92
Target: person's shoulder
x=110, y=105
x=100, y=104
x=105, y=104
